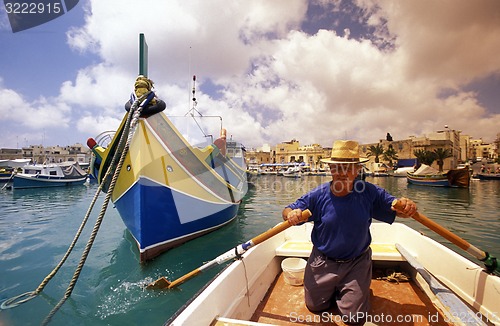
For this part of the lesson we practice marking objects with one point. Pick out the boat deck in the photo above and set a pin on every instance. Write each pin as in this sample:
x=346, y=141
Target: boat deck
x=393, y=303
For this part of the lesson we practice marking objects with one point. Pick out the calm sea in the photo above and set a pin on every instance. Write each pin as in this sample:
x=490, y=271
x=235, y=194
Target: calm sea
x=37, y=226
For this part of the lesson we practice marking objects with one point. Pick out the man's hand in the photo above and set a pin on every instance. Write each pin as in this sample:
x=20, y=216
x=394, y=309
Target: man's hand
x=404, y=207
x=293, y=216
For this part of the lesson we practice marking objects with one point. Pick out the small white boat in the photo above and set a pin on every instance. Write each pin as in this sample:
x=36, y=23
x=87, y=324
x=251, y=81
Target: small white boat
x=444, y=287
x=16, y=163
x=49, y=175
x=378, y=169
x=402, y=171
x=293, y=172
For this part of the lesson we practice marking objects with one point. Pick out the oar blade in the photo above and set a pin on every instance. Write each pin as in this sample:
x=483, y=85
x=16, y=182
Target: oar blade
x=161, y=283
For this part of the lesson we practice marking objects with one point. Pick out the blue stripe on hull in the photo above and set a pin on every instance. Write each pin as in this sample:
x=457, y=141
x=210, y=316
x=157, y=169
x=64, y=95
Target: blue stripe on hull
x=434, y=183
x=152, y=213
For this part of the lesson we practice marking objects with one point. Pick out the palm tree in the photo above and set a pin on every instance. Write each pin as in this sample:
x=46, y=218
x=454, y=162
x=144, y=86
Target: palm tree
x=424, y=156
x=375, y=150
x=441, y=154
x=390, y=155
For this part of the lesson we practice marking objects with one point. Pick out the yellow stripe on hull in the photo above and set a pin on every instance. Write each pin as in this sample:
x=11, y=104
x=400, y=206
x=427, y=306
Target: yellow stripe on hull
x=150, y=158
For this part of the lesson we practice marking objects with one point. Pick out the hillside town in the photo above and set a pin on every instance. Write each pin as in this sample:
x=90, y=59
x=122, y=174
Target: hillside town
x=387, y=152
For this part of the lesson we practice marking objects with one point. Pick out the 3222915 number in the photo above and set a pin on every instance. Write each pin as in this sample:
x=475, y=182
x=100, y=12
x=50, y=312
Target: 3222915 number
x=33, y=8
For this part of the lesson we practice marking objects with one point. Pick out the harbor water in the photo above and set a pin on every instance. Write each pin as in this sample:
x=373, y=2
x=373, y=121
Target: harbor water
x=38, y=225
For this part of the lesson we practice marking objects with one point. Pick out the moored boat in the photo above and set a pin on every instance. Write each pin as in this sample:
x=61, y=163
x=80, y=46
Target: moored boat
x=49, y=175
x=293, y=172
x=16, y=163
x=428, y=176
x=488, y=176
x=6, y=175
x=169, y=190
x=402, y=171
x=443, y=288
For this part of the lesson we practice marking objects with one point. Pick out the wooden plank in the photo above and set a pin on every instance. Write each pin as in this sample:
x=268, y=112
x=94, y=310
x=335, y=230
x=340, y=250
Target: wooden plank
x=455, y=309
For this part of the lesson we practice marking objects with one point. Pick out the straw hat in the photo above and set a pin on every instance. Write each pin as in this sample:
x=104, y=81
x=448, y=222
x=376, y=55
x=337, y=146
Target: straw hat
x=345, y=151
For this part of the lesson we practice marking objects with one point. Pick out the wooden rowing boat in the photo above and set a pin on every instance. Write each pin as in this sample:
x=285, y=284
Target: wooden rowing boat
x=427, y=176
x=488, y=176
x=444, y=288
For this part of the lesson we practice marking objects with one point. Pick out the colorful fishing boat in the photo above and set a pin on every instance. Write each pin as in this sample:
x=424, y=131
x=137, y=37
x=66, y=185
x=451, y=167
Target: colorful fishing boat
x=169, y=190
x=416, y=281
x=49, y=175
x=428, y=176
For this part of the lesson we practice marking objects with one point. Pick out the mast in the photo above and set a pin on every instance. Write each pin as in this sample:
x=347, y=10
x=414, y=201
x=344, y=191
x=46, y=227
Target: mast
x=143, y=55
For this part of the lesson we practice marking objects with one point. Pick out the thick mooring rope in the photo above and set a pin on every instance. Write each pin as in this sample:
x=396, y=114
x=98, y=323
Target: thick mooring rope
x=130, y=125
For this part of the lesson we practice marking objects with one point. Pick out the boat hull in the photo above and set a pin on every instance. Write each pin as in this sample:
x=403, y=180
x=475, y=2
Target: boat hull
x=488, y=176
x=169, y=192
x=30, y=181
x=157, y=218
x=456, y=178
x=6, y=177
x=433, y=181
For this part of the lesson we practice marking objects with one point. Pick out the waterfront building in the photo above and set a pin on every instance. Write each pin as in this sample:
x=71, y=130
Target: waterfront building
x=293, y=152
x=484, y=151
x=256, y=157
x=447, y=139
x=466, y=151
x=10, y=153
x=497, y=148
x=51, y=154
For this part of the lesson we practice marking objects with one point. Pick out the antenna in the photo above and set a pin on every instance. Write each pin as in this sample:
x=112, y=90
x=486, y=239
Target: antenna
x=189, y=73
x=193, y=91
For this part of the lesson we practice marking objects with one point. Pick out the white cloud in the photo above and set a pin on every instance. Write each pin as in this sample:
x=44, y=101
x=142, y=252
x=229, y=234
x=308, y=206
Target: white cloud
x=39, y=114
x=277, y=82
x=94, y=125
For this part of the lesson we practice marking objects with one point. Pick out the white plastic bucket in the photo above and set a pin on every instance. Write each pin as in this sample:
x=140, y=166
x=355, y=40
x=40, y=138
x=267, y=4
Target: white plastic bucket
x=293, y=270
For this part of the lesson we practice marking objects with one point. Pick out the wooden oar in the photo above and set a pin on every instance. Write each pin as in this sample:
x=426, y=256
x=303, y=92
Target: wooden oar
x=163, y=283
x=489, y=261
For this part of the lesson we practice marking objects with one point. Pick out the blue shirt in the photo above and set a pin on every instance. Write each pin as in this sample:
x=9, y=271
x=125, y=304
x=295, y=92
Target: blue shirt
x=342, y=224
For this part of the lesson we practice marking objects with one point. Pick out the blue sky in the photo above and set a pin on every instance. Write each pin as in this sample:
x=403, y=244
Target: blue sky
x=314, y=70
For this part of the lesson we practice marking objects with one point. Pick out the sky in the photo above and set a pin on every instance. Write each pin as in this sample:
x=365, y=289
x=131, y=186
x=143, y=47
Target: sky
x=315, y=71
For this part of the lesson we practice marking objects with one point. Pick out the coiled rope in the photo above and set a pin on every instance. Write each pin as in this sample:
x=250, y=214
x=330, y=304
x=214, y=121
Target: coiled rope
x=130, y=125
